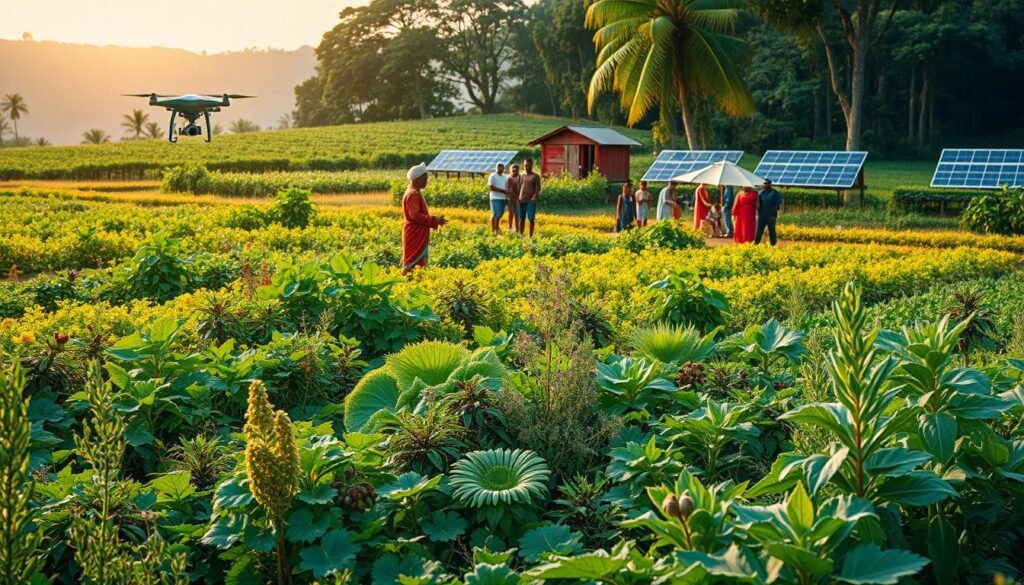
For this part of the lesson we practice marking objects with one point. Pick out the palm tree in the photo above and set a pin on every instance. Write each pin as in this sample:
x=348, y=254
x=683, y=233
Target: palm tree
x=135, y=123
x=95, y=136
x=669, y=52
x=5, y=128
x=284, y=122
x=14, y=106
x=241, y=126
x=154, y=130
x=42, y=141
x=217, y=130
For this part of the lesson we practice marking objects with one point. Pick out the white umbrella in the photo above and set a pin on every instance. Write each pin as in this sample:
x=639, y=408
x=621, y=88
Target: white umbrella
x=721, y=173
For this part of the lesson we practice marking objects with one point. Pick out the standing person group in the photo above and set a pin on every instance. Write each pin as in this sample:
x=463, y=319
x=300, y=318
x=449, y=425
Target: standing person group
x=754, y=212
x=635, y=206
x=515, y=192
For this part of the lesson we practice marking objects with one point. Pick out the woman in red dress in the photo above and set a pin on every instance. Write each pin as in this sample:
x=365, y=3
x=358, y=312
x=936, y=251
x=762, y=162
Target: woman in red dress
x=418, y=221
x=701, y=205
x=744, y=216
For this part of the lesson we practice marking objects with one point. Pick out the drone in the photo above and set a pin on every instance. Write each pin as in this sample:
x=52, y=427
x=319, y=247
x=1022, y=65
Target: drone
x=190, y=106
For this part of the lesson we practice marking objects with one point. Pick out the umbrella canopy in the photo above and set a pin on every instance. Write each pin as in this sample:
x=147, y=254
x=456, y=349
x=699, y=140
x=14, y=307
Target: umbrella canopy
x=721, y=173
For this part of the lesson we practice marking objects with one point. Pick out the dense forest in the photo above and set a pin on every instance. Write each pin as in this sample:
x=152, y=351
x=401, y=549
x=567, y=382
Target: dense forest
x=898, y=78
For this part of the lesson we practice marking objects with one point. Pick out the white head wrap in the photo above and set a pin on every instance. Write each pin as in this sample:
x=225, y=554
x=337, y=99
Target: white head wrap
x=416, y=172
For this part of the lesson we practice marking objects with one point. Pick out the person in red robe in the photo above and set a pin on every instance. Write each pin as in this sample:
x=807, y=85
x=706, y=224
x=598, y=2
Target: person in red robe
x=418, y=221
x=744, y=216
x=701, y=205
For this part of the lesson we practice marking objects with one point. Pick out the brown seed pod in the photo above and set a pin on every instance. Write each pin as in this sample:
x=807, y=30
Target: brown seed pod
x=686, y=505
x=671, y=506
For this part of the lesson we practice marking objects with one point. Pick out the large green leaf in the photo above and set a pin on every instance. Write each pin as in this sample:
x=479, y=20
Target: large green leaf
x=232, y=493
x=484, y=574
x=335, y=553
x=376, y=391
x=596, y=565
x=943, y=550
x=550, y=538
x=799, y=559
x=433, y=362
x=869, y=564
x=304, y=526
x=895, y=461
x=938, y=435
x=919, y=488
x=408, y=485
x=444, y=526
x=175, y=486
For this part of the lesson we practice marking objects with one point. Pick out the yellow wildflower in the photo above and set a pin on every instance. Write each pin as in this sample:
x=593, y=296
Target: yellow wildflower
x=25, y=337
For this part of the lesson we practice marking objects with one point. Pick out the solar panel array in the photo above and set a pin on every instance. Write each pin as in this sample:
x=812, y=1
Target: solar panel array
x=803, y=168
x=470, y=161
x=979, y=169
x=672, y=163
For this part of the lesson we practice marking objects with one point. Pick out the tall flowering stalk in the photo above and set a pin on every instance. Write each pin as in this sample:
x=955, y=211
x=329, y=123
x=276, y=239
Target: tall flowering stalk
x=271, y=462
x=20, y=541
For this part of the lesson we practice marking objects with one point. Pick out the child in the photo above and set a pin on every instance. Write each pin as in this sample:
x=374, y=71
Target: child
x=715, y=218
x=643, y=204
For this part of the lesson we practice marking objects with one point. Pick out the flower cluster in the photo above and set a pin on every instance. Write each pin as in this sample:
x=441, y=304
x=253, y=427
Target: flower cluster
x=271, y=455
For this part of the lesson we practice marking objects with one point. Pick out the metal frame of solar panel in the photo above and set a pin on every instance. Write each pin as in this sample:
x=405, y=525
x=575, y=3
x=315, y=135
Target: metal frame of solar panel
x=672, y=163
x=979, y=168
x=470, y=161
x=832, y=169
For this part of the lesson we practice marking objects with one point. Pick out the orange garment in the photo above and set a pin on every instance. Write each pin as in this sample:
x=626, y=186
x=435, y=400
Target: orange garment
x=744, y=211
x=416, y=230
x=701, y=205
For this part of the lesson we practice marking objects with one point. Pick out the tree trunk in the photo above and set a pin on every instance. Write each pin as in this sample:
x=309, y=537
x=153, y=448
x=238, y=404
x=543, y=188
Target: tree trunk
x=931, y=114
x=816, y=113
x=855, y=116
x=419, y=95
x=689, y=125
x=828, y=115
x=922, y=110
x=911, y=104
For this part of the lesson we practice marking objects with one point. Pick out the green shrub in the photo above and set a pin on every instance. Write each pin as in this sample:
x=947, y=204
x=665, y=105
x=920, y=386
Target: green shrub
x=187, y=178
x=923, y=198
x=247, y=217
x=684, y=300
x=673, y=235
x=292, y=208
x=1000, y=212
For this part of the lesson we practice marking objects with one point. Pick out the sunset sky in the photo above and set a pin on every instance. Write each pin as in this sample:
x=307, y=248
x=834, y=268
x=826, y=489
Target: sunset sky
x=196, y=25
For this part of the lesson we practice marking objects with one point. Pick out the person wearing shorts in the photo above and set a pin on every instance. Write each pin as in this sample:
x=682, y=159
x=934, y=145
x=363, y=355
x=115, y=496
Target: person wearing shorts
x=512, y=196
x=497, y=185
x=529, y=190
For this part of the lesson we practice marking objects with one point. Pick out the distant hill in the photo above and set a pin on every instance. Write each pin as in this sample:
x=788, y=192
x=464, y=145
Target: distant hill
x=71, y=88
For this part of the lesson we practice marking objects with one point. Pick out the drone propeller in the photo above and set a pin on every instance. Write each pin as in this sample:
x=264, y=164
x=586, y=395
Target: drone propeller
x=145, y=94
x=233, y=96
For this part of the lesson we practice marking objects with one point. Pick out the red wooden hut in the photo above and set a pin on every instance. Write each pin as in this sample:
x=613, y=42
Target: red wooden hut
x=578, y=150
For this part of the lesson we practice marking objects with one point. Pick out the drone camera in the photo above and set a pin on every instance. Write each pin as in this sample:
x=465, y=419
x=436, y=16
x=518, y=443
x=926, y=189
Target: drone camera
x=192, y=130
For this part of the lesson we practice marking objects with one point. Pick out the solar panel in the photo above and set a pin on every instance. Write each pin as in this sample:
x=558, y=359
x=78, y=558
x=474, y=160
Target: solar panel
x=470, y=161
x=811, y=168
x=979, y=169
x=672, y=163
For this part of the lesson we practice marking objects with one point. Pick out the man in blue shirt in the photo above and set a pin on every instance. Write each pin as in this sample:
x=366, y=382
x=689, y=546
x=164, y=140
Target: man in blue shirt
x=728, y=198
x=768, y=203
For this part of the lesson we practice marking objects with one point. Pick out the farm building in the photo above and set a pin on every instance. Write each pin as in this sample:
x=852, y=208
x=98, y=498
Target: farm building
x=578, y=150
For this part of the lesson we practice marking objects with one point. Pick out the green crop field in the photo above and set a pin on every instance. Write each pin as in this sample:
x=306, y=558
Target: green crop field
x=378, y=145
